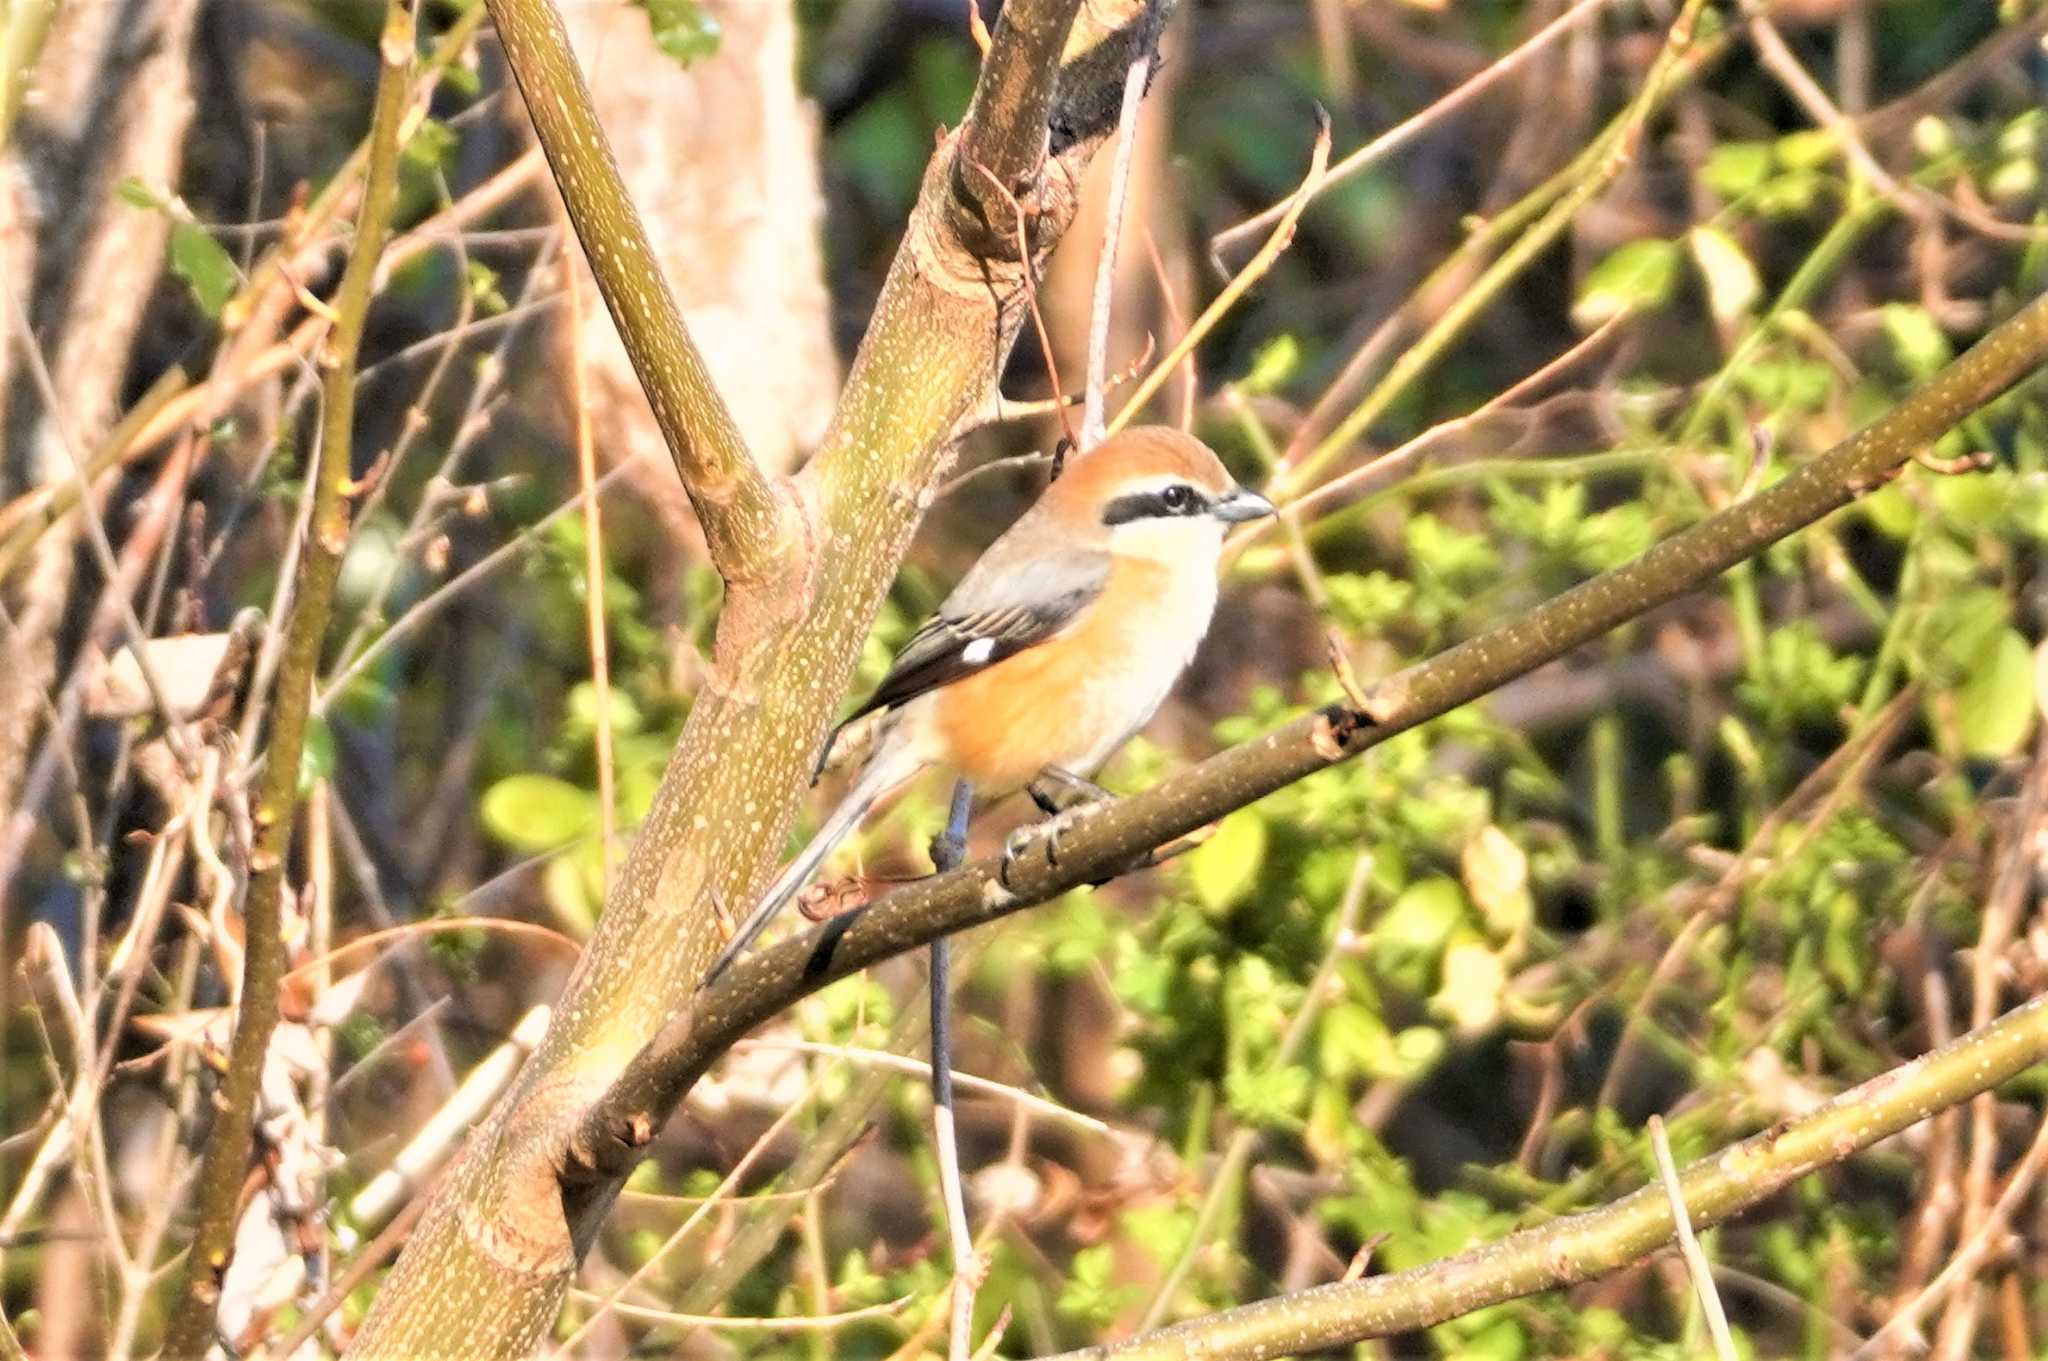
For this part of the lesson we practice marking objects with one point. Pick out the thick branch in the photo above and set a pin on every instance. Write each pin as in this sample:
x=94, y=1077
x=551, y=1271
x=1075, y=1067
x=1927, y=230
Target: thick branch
x=327, y=531
x=1006, y=134
x=748, y=526
x=1121, y=836
x=1566, y=1251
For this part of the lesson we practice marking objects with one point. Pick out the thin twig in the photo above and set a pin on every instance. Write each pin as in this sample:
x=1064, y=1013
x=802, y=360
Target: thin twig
x=1595, y=170
x=1969, y=1258
x=1254, y=270
x=1105, y=260
x=1696, y=1263
x=368, y=1258
x=919, y=1068
x=1409, y=128
x=947, y=849
x=1191, y=384
x=1343, y=941
x=422, y=611
x=427, y=1150
x=719, y=1195
x=593, y=570
x=1399, y=462
x=781, y=1323
x=190, y=1331
x=56, y=413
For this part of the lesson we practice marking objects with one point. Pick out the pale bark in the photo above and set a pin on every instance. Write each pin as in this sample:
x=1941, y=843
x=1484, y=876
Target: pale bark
x=721, y=157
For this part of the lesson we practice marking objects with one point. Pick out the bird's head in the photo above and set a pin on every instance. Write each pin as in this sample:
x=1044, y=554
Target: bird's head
x=1153, y=492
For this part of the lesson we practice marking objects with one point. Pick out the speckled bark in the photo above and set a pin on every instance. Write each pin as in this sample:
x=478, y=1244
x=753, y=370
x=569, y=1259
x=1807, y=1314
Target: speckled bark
x=485, y=1272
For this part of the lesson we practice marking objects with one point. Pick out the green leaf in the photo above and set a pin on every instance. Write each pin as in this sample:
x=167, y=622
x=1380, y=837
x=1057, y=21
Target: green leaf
x=1732, y=283
x=1995, y=707
x=483, y=284
x=316, y=753
x=201, y=262
x=1408, y=942
x=580, y=720
x=1274, y=364
x=1226, y=866
x=1639, y=277
x=1916, y=338
x=1960, y=636
x=1810, y=149
x=431, y=145
x=136, y=194
x=683, y=29
x=537, y=812
x=1092, y=1294
x=1735, y=169
x=1368, y=604
x=1271, y=1099
x=1474, y=977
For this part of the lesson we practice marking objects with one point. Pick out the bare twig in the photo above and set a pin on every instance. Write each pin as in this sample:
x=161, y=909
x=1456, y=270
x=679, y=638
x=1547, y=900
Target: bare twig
x=1969, y=1258
x=423, y=1154
x=1254, y=270
x=1105, y=260
x=918, y=1068
x=1696, y=1264
x=781, y=1323
x=190, y=1331
x=1394, y=138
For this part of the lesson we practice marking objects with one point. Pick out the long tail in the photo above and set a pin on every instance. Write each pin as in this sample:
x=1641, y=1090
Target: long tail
x=885, y=770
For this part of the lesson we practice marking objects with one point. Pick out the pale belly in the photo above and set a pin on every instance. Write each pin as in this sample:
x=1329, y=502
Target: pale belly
x=1073, y=701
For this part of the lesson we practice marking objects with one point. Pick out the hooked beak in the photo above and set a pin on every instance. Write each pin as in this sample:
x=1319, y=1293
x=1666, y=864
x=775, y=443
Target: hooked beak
x=1242, y=504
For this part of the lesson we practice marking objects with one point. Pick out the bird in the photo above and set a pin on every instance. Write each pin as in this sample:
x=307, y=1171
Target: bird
x=1059, y=644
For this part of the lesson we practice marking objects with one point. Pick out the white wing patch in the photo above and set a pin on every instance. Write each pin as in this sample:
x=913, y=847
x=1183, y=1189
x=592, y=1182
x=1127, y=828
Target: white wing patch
x=978, y=652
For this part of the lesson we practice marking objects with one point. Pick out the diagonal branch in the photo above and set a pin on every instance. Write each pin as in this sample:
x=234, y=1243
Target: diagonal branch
x=748, y=526
x=1578, y=1248
x=1124, y=834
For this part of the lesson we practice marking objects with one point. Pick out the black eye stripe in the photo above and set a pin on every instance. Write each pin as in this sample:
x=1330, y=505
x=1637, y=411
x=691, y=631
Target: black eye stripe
x=1165, y=503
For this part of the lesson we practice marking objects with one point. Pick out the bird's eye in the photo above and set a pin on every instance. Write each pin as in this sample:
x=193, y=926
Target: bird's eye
x=1177, y=498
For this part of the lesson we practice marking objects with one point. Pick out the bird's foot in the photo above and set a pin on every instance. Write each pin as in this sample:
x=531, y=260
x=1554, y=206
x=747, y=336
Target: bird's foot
x=830, y=898
x=1047, y=835
x=1056, y=790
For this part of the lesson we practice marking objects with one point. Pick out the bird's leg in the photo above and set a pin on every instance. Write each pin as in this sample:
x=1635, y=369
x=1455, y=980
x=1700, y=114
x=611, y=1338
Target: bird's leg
x=949, y=848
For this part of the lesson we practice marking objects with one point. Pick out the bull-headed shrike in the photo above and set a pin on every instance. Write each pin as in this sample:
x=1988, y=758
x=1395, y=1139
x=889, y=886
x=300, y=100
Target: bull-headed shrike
x=1059, y=643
